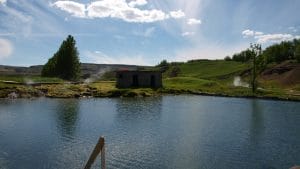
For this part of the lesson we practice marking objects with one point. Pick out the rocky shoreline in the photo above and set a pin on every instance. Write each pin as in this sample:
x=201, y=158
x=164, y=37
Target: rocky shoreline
x=89, y=92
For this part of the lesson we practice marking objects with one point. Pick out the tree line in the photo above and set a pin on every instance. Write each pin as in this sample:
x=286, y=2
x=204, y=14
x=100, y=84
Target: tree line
x=277, y=53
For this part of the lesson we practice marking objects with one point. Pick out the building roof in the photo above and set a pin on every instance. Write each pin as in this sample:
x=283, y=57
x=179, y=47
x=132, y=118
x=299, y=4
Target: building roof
x=138, y=71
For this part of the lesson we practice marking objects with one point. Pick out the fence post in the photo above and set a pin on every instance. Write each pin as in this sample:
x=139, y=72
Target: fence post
x=99, y=148
x=103, y=156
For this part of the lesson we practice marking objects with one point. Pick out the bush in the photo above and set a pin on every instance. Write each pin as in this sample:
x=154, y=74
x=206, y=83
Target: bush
x=227, y=58
x=163, y=65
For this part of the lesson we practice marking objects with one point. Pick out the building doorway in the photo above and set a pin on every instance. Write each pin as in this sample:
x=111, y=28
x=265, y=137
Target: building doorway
x=152, y=82
x=135, y=81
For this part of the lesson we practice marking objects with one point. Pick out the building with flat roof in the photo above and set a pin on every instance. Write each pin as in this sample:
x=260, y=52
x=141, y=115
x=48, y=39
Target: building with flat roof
x=129, y=79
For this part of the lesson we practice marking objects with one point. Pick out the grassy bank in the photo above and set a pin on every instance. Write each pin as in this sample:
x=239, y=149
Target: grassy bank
x=197, y=77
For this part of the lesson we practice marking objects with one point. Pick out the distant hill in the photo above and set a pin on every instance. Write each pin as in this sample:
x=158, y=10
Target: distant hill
x=17, y=70
x=87, y=69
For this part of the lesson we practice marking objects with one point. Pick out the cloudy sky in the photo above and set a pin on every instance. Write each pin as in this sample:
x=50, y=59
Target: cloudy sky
x=142, y=31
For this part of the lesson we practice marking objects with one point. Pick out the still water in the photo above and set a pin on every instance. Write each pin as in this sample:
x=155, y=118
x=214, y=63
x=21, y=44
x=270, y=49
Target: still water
x=183, y=132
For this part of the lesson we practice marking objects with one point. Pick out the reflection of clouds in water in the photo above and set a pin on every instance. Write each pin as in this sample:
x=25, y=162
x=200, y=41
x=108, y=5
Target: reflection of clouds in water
x=3, y=163
x=137, y=129
x=67, y=116
x=257, y=122
x=136, y=109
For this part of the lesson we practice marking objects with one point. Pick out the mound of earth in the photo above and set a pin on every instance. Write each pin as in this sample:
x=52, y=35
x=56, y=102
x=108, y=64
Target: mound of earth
x=286, y=73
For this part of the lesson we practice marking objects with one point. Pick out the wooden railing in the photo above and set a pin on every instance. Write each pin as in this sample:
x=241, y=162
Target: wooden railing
x=99, y=148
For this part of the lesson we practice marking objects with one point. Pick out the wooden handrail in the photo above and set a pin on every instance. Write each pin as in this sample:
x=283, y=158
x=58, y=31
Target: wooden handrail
x=99, y=148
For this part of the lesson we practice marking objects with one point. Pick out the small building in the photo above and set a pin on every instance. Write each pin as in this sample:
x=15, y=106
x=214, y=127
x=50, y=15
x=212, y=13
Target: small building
x=128, y=79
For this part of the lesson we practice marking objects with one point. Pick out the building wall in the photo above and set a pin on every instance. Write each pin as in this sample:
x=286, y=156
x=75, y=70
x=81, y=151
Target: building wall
x=127, y=79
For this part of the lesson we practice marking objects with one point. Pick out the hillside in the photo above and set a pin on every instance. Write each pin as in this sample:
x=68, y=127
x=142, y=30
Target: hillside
x=87, y=69
x=215, y=77
x=206, y=69
x=230, y=77
x=285, y=74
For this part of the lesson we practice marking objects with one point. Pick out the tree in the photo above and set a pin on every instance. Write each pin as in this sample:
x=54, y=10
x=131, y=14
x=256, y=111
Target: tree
x=49, y=68
x=280, y=52
x=163, y=65
x=297, y=53
x=65, y=62
x=256, y=53
x=243, y=56
x=227, y=58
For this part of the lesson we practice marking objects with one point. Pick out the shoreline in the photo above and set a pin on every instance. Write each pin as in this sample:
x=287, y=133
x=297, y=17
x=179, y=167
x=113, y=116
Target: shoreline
x=16, y=93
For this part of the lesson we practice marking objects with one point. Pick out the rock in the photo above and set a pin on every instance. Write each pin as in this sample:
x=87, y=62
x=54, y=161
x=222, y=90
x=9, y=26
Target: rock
x=12, y=95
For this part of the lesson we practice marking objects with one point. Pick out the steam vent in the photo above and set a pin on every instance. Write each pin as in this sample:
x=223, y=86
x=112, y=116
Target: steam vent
x=128, y=79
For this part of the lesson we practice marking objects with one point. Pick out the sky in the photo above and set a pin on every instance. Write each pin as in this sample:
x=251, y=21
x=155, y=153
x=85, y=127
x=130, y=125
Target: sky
x=142, y=32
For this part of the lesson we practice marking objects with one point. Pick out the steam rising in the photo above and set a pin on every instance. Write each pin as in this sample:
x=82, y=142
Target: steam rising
x=237, y=81
x=97, y=76
x=28, y=81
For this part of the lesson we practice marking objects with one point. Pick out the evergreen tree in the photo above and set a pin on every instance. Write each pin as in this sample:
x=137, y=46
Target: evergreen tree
x=65, y=62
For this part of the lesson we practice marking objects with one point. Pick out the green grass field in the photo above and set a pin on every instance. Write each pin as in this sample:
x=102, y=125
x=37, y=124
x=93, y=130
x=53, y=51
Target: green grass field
x=217, y=77
x=218, y=69
x=29, y=79
x=211, y=77
x=205, y=75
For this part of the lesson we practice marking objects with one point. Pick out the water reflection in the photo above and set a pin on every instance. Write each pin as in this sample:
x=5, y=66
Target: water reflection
x=131, y=110
x=136, y=118
x=160, y=132
x=67, y=116
x=257, y=121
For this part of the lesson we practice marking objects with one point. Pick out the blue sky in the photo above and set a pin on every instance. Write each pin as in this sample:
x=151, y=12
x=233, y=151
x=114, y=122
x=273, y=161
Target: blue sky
x=142, y=31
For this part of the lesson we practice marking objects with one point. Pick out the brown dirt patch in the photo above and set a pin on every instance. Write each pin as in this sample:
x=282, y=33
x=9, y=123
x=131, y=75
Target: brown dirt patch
x=286, y=73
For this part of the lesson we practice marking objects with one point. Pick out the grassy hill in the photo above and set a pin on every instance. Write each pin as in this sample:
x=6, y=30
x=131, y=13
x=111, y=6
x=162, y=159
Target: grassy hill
x=206, y=69
x=217, y=77
x=198, y=77
x=204, y=75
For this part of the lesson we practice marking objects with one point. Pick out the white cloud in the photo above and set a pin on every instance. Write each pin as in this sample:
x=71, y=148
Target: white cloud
x=193, y=21
x=24, y=19
x=258, y=33
x=266, y=38
x=121, y=10
x=2, y=1
x=101, y=58
x=250, y=33
x=177, y=14
x=274, y=38
x=188, y=33
x=75, y=8
x=6, y=48
x=135, y=3
x=115, y=9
